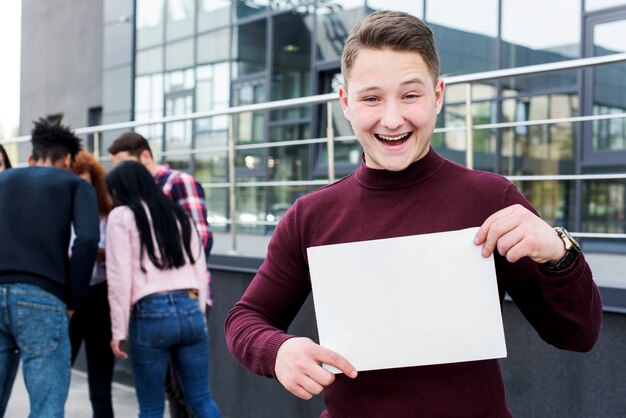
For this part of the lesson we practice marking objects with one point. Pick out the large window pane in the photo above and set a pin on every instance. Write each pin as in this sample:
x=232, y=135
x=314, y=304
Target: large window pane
x=180, y=18
x=465, y=34
x=179, y=55
x=538, y=149
x=212, y=94
x=149, y=23
x=334, y=22
x=149, y=61
x=214, y=47
x=609, y=92
x=213, y=14
x=251, y=8
x=249, y=48
x=530, y=37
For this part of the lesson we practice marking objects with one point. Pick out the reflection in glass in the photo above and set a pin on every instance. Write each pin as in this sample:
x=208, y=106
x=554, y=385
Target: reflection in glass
x=609, y=88
x=213, y=14
x=178, y=134
x=249, y=126
x=212, y=93
x=250, y=8
x=539, y=149
x=149, y=104
x=465, y=34
x=149, y=22
x=180, y=18
x=149, y=61
x=534, y=38
x=604, y=206
x=249, y=48
x=554, y=200
x=213, y=47
x=290, y=162
x=179, y=54
x=334, y=22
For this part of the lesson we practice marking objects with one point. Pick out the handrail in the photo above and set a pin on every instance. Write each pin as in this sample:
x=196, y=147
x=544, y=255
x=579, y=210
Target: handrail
x=330, y=139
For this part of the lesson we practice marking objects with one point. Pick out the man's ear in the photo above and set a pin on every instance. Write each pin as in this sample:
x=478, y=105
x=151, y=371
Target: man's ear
x=343, y=100
x=31, y=160
x=145, y=157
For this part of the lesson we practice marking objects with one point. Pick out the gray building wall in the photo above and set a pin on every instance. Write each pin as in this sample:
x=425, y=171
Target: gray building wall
x=61, y=65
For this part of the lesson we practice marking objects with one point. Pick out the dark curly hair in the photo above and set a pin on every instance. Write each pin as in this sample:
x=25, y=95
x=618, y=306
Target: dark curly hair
x=54, y=141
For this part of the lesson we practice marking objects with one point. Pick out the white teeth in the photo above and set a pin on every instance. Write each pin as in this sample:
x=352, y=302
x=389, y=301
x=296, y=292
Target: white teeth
x=393, y=138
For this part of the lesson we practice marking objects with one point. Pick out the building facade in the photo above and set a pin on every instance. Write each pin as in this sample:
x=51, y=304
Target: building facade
x=154, y=58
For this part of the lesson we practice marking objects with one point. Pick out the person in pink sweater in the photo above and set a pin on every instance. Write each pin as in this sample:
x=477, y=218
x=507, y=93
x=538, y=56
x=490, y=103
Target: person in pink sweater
x=156, y=273
x=392, y=96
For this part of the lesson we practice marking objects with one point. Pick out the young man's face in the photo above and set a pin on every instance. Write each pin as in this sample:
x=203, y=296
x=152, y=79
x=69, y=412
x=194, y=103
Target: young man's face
x=392, y=103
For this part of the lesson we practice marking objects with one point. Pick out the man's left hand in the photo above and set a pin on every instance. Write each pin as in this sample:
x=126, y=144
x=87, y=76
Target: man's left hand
x=516, y=232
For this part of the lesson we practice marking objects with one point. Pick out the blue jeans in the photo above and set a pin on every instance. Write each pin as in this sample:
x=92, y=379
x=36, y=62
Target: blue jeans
x=35, y=322
x=164, y=324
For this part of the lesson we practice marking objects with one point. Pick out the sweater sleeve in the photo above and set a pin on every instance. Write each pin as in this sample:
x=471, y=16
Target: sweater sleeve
x=564, y=307
x=119, y=269
x=257, y=325
x=85, y=245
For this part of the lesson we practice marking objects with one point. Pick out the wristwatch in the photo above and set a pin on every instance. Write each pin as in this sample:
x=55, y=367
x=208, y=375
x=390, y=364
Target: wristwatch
x=572, y=249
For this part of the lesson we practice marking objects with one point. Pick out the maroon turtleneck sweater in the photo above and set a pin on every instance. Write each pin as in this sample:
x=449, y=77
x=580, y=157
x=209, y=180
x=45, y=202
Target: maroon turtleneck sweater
x=431, y=195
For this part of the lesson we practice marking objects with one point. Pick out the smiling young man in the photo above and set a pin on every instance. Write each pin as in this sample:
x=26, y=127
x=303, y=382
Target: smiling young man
x=392, y=95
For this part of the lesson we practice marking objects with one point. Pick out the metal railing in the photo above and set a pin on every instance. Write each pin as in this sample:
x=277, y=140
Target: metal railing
x=328, y=99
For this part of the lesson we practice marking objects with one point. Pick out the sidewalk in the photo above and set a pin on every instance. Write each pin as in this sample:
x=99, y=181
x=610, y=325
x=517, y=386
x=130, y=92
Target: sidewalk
x=78, y=405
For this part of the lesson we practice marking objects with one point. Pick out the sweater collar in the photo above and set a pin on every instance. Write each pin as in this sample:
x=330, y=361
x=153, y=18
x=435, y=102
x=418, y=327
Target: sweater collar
x=413, y=174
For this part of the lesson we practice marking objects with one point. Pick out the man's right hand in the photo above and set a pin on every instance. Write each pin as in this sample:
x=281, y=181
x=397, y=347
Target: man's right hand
x=298, y=367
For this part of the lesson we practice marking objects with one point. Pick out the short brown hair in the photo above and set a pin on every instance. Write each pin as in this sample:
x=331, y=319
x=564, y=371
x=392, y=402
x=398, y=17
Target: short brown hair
x=85, y=162
x=131, y=142
x=397, y=31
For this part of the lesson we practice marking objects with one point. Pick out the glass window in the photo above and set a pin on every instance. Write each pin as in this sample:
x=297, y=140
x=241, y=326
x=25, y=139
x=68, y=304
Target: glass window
x=249, y=48
x=212, y=93
x=149, y=61
x=179, y=80
x=149, y=22
x=466, y=38
x=291, y=68
x=180, y=18
x=179, y=55
x=250, y=8
x=213, y=14
x=148, y=97
x=539, y=149
x=414, y=7
x=213, y=47
x=531, y=38
x=609, y=92
x=334, y=22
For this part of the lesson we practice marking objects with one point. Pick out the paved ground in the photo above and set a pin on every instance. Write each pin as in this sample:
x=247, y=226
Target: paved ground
x=77, y=406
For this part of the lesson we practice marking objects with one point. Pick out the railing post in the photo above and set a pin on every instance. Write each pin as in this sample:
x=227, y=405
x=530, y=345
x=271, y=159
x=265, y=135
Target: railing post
x=469, y=127
x=96, y=145
x=232, y=201
x=330, y=141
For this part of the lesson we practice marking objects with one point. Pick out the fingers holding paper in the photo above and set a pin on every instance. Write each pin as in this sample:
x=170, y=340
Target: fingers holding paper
x=298, y=367
x=515, y=232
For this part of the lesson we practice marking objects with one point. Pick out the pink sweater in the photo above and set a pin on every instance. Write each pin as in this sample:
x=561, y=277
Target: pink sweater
x=127, y=283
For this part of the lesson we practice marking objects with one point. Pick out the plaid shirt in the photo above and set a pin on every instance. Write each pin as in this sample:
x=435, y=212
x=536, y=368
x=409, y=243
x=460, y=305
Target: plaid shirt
x=185, y=190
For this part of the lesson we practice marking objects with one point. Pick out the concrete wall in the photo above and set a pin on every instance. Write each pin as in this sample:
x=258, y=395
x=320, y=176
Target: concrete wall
x=61, y=65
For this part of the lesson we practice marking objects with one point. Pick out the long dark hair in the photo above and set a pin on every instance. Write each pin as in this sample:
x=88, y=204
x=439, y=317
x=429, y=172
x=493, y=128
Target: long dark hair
x=130, y=184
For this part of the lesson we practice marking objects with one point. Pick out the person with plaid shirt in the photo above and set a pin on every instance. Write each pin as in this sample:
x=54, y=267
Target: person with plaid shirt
x=188, y=193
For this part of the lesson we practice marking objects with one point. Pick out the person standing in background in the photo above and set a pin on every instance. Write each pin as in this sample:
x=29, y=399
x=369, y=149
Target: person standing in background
x=13, y=359
x=184, y=190
x=92, y=323
x=156, y=273
x=40, y=286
